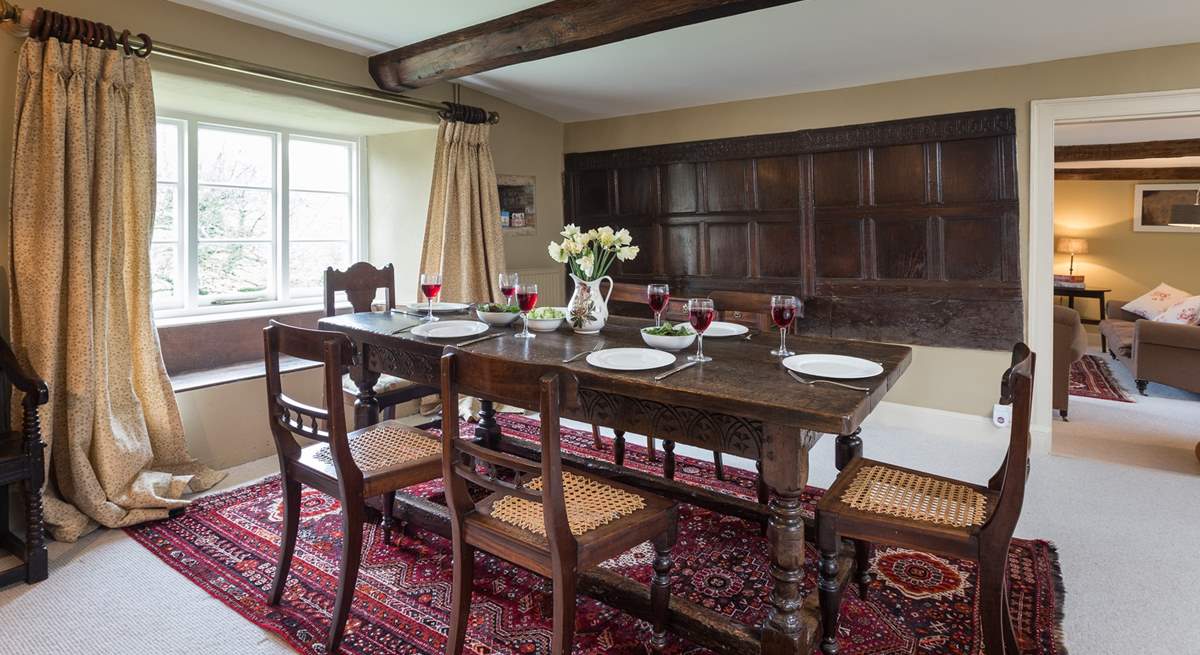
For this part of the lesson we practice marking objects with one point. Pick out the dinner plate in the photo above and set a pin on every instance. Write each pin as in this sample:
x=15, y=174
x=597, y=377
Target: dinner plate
x=832, y=366
x=630, y=359
x=438, y=307
x=720, y=329
x=450, y=329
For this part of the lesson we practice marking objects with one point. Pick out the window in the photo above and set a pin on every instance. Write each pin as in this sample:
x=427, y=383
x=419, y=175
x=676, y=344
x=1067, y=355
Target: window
x=249, y=217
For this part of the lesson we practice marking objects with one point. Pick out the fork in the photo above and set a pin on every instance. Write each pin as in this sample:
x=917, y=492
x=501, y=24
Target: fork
x=802, y=380
x=583, y=354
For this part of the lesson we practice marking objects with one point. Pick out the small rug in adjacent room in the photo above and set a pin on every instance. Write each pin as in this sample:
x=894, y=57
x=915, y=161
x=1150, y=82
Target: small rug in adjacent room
x=228, y=543
x=1092, y=378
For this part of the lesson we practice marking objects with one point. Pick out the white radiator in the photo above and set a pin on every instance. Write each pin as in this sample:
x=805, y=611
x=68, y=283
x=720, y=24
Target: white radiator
x=551, y=284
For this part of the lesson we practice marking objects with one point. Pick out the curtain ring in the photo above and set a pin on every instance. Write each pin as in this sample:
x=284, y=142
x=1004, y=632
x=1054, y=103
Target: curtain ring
x=74, y=27
x=147, y=46
x=53, y=26
x=47, y=26
x=91, y=34
x=35, y=25
x=110, y=37
x=124, y=41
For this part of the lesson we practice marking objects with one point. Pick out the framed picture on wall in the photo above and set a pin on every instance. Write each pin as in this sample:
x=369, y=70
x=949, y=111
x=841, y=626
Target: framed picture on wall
x=1152, y=205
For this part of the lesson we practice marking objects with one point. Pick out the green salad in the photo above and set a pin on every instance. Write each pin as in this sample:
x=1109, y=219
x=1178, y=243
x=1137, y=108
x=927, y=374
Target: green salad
x=546, y=313
x=668, y=330
x=494, y=308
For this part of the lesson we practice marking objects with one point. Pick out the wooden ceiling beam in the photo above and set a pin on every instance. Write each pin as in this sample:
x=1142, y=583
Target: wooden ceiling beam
x=1139, y=150
x=546, y=30
x=1178, y=173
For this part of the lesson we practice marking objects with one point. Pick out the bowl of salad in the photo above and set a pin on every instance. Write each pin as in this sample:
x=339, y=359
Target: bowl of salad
x=546, y=319
x=497, y=315
x=669, y=337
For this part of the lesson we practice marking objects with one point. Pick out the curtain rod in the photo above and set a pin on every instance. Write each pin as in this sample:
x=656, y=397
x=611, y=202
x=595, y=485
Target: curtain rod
x=10, y=13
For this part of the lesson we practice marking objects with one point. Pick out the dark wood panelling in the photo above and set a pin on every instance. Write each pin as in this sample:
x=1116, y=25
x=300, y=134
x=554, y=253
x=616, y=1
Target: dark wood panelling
x=899, y=174
x=679, y=188
x=903, y=231
x=777, y=181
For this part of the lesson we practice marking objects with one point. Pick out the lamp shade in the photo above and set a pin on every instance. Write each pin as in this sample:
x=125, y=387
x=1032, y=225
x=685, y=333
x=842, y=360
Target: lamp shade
x=1072, y=245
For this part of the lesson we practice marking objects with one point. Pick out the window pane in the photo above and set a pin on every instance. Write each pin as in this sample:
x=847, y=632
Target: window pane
x=234, y=268
x=164, y=268
x=319, y=166
x=319, y=215
x=237, y=158
x=166, y=212
x=167, y=141
x=225, y=213
x=308, y=261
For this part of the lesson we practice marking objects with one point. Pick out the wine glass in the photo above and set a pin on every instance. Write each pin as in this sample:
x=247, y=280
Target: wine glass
x=700, y=315
x=431, y=286
x=783, y=314
x=526, y=299
x=657, y=296
x=508, y=286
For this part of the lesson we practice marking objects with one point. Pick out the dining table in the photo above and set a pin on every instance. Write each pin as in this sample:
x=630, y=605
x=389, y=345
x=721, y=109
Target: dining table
x=743, y=402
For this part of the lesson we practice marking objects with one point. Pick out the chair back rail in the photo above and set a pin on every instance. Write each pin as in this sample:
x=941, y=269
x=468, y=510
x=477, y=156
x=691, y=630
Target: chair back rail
x=1016, y=389
x=360, y=282
x=288, y=416
x=520, y=384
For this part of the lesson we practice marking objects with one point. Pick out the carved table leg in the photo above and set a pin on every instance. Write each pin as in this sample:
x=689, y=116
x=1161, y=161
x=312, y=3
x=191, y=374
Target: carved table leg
x=366, y=405
x=668, y=459
x=785, y=472
x=847, y=447
x=619, y=447
x=36, y=560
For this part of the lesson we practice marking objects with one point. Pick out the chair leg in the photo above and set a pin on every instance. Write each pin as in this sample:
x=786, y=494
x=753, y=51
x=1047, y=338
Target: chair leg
x=597, y=442
x=719, y=465
x=37, y=563
x=460, y=598
x=668, y=459
x=992, y=605
x=389, y=413
x=862, y=562
x=764, y=494
x=660, y=589
x=563, y=634
x=1063, y=414
x=352, y=530
x=651, y=451
x=829, y=592
x=1141, y=386
x=287, y=540
x=389, y=519
x=619, y=447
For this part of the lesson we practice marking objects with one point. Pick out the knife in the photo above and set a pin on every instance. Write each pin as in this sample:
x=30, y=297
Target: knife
x=483, y=338
x=662, y=376
x=406, y=329
x=813, y=381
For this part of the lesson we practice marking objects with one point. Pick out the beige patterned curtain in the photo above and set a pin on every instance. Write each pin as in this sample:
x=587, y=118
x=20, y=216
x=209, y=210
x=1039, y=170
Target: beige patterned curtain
x=83, y=193
x=462, y=235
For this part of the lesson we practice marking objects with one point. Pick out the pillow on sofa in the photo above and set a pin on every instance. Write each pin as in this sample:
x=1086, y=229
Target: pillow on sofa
x=1157, y=301
x=1186, y=312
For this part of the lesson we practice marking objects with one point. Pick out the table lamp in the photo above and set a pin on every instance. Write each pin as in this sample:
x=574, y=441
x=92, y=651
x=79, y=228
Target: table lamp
x=1072, y=246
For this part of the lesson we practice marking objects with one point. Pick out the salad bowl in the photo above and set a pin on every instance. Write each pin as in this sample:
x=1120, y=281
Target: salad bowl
x=497, y=315
x=668, y=337
x=546, y=319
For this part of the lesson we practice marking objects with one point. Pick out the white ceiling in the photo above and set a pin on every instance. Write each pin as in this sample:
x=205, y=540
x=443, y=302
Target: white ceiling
x=807, y=46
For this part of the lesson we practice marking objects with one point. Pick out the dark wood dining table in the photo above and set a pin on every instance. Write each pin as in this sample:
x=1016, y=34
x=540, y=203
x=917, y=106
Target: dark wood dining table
x=741, y=403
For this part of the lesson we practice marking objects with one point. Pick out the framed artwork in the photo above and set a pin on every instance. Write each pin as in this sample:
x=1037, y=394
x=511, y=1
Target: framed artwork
x=1152, y=206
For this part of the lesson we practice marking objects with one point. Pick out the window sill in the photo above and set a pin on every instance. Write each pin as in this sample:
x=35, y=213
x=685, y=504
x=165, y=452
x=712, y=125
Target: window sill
x=202, y=379
x=238, y=314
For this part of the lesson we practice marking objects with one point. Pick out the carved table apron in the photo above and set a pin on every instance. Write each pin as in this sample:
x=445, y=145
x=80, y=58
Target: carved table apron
x=741, y=403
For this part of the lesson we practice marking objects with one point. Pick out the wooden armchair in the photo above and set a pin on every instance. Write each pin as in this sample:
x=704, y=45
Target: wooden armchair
x=21, y=462
x=349, y=466
x=876, y=502
x=361, y=282
x=550, y=520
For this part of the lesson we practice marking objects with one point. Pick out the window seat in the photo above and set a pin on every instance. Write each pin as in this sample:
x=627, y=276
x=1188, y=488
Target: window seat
x=236, y=372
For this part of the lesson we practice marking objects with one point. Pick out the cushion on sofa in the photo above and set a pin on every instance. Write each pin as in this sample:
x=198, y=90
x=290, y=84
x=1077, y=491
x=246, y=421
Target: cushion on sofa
x=1157, y=301
x=1119, y=335
x=1186, y=312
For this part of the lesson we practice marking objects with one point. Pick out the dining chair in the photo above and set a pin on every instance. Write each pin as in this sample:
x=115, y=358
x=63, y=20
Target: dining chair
x=361, y=282
x=22, y=462
x=550, y=519
x=873, y=502
x=349, y=466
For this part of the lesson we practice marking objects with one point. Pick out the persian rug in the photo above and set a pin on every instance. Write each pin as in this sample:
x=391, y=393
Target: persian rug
x=227, y=544
x=1092, y=378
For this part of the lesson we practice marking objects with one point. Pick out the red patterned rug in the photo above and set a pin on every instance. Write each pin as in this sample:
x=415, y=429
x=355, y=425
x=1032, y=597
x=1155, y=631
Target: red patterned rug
x=1092, y=378
x=227, y=544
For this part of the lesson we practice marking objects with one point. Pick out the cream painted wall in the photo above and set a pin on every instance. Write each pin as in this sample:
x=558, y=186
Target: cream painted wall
x=1130, y=263
x=400, y=170
x=953, y=379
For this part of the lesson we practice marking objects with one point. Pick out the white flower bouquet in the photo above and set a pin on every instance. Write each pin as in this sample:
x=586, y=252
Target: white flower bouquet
x=590, y=254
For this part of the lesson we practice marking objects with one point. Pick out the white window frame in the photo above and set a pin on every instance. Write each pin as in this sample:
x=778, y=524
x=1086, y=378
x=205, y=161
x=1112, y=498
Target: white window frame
x=187, y=303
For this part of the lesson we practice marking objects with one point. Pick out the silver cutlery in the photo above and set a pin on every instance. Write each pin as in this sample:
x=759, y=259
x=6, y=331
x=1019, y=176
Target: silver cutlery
x=802, y=380
x=406, y=329
x=469, y=342
x=662, y=376
x=583, y=354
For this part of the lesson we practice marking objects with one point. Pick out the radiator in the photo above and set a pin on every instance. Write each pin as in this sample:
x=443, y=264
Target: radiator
x=551, y=284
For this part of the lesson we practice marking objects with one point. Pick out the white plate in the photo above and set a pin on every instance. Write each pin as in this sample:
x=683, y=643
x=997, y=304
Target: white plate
x=630, y=359
x=441, y=307
x=720, y=329
x=833, y=366
x=450, y=329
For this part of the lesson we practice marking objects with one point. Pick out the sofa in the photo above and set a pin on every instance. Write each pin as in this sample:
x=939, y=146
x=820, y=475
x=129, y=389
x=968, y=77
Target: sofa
x=1070, y=344
x=1154, y=352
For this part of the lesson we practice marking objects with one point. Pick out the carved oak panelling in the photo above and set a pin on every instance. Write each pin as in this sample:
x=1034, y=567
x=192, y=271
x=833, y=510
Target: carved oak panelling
x=837, y=179
x=840, y=248
x=730, y=434
x=637, y=191
x=727, y=243
x=726, y=185
x=899, y=175
x=679, y=188
x=777, y=183
x=901, y=248
x=780, y=250
x=970, y=170
x=404, y=364
x=681, y=248
x=592, y=193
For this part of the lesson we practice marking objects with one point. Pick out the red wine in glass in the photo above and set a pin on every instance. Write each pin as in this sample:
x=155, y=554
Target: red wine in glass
x=431, y=290
x=657, y=296
x=783, y=316
x=658, y=301
x=508, y=292
x=700, y=318
x=527, y=300
x=431, y=286
x=700, y=315
x=508, y=286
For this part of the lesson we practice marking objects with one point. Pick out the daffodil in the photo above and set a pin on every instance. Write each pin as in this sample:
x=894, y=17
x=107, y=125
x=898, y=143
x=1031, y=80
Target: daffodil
x=626, y=253
x=623, y=237
x=557, y=253
x=570, y=231
x=606, y=236
x=586, y=263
